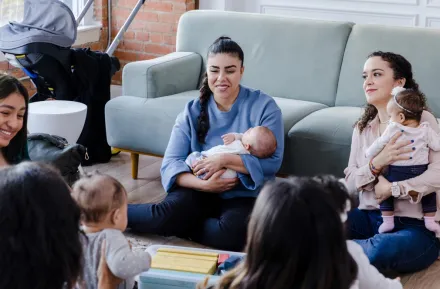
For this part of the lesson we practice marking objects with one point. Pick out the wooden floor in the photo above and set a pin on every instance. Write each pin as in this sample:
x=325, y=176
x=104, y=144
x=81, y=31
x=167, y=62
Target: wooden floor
x=147, y=189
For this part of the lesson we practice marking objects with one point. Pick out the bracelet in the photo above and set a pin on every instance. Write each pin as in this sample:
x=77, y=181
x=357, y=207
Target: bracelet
x=373, y=170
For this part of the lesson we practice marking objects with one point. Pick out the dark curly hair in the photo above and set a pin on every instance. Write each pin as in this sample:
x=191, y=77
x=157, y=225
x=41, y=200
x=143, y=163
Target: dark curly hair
x=16, y=150
x=40, y=243
x=222, y=45
x=402, y=69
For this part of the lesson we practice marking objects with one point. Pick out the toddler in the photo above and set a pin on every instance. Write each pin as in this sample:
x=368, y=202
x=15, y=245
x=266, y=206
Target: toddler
x=103, y=203
x=258, y=141
x=405, y=110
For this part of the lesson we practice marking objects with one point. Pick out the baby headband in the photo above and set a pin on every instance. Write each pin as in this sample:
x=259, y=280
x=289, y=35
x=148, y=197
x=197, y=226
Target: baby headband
x=396, y=90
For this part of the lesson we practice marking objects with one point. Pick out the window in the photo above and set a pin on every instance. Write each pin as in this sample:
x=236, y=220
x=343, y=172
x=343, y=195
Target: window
x=11, y=10
x=77, y=7
x=88, y=30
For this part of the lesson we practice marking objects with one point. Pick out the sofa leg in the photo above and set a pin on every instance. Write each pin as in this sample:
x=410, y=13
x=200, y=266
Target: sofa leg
x=134, y=165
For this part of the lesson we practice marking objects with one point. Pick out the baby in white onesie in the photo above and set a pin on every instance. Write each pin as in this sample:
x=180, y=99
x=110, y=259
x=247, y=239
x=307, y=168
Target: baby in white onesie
x=258, y=141
x=405, y=110
x=103, y=203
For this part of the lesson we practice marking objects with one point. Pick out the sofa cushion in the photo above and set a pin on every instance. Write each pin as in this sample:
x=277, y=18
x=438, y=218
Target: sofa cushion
x=125, y=113
x=419, y=45
x=141, y=124
x=320, y=142
x=295, y=110
x=283, y=56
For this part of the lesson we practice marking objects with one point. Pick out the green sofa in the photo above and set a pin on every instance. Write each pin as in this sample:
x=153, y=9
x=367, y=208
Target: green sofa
x=313, y=69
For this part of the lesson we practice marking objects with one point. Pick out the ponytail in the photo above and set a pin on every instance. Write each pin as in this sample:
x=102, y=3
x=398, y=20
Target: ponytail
x=203, y=119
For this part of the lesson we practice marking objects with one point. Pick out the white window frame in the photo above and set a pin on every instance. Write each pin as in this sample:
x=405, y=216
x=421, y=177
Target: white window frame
x=16, y=10
x=2, y=57
x=89, y=29
x=77, y=7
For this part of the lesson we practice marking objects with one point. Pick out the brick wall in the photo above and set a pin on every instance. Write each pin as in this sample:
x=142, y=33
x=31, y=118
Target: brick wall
x=151, y=34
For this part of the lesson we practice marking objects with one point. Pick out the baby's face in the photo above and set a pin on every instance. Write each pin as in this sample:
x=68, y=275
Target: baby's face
x=394, y=112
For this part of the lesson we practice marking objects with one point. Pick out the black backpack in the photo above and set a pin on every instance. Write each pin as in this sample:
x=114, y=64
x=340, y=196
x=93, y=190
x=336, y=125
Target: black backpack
x=56, y=151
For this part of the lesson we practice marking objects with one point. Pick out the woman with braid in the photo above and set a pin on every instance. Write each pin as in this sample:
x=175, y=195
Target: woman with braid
x=213, y=210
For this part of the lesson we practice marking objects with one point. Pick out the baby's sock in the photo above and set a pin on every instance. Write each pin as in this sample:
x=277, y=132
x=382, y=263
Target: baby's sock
x=432, y=225
x=387, y=225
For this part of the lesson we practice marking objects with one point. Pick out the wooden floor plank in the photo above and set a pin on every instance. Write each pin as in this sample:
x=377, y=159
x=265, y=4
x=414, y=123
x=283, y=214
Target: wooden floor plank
x=148, y=189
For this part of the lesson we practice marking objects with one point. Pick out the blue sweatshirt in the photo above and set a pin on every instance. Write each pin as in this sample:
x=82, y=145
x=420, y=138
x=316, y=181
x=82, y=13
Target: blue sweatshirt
x=251, y=108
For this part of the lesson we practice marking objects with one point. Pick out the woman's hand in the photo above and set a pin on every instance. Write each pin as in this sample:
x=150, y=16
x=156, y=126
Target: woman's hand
x=216, y=184
x=382, y=189
x=393, y=151
x=106, y=279
x=209, y=165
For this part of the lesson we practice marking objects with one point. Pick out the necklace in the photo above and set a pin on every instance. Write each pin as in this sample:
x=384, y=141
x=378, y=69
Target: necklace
x=384, y=122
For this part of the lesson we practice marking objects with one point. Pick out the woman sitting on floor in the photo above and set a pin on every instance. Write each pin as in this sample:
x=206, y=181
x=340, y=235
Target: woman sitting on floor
x=214, y=210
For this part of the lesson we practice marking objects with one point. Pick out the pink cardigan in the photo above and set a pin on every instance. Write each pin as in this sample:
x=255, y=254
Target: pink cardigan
x=359, y=177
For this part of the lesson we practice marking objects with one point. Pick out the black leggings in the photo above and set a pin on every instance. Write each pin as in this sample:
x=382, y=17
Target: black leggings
x=203, y=217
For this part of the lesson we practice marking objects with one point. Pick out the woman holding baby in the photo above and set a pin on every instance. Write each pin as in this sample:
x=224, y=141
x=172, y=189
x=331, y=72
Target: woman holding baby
x=201, y=204
x=406, y=242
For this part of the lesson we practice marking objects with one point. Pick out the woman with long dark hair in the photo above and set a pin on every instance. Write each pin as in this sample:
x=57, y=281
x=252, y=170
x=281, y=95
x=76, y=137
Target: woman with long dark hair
x=296, y=239
x=40, y=238
x=214, y=210
x=14, y=101
x=410, y=246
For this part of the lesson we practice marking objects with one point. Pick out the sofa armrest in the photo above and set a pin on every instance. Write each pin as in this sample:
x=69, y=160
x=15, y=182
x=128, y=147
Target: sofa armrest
x=170, y=74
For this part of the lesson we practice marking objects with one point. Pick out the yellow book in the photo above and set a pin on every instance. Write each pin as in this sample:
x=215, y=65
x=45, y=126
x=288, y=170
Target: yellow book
x=179, y=255
x=188, y=252
x=209, y=271
x=184, y=264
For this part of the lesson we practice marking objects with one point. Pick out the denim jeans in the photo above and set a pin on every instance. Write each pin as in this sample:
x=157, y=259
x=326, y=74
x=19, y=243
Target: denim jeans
x=203, y=217
x=401, y=173
x=410, y=247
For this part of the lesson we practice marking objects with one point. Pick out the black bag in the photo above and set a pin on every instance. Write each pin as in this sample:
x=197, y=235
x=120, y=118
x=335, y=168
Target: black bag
x=56, y=151
x=92, y=76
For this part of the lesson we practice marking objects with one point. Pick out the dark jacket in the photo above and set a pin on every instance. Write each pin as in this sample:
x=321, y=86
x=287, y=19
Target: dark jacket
x=92, y=75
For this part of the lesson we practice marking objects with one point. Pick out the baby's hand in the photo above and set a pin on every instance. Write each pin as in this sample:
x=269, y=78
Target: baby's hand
x=228, y=138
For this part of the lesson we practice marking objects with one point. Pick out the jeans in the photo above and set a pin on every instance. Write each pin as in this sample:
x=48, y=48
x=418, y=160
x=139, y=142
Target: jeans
x=203, y=217
x=400, y=173
x=410, y=247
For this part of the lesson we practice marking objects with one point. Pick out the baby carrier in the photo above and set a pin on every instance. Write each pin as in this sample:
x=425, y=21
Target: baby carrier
x=41, y=46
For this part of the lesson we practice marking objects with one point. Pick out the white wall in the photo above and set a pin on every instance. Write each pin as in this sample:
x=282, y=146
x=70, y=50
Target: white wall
x=421, y=13
x=212, y=4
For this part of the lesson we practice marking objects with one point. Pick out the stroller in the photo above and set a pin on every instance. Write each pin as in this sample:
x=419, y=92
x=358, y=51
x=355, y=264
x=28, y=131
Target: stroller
x=41, y=47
